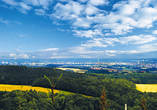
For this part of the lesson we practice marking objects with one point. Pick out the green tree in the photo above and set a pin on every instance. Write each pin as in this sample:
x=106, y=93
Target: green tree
x=53, y=84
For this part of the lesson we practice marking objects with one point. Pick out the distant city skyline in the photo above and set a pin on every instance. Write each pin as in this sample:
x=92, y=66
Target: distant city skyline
x=56, y=29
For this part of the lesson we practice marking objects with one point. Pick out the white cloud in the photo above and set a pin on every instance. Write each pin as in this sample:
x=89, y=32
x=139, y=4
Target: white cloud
x=24, y=6
x=17, y=22
x=15, y=56
x=117, y=28
x=88, y=33
x=22, y=46
x=61, y=29
x=33, y=56
x=145, y=17
x=141, y=39
x=98, y=2
x=4, y=21
x=96, y=42
x=54, y=22
x=83, y=1
x=21, y=35
x=125, y=8
x=32, y=2
x=111, y=51
x=82, y=22
x=108, y=34
x=104, y=42
x=68, y=11
x=44, y=3
x=22, y=10
x=124, y=17
x=40, y=12
x=140, y=49
x=90, y=10
x=12, y=55
x=140, y=16
x=23, y=56
x=17, y=50
x=109, y=41
x=10, y=2
x=147, y=2
x=154, y=32
x=49, y=49
x=64, y=0
x=148, y=47
x=128, y=15
x=85, y=56
x=20, y=6
x=81, y=50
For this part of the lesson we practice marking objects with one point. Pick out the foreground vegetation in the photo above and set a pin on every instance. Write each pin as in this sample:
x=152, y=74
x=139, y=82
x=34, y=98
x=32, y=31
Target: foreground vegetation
x=33, y=100
x=118, y=91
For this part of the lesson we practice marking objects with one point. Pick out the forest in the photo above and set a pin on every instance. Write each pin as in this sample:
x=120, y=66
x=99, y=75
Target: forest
x=119, y=90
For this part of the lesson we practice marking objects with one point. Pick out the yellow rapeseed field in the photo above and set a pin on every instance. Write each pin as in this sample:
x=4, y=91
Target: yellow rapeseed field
x=147, y=87
x=74, y=69
x=8, y=87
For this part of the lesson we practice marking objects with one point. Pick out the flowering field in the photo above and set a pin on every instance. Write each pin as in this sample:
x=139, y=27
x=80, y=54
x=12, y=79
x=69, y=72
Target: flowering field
x=7, y=87
x=147, y=87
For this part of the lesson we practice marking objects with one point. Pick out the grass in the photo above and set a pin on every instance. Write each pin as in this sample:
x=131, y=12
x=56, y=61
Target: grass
x=147, y=87
x=71, y=93
x=66, y=92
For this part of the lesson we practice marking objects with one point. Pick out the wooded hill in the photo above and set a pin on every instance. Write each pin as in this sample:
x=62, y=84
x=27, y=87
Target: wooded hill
x=118, y=91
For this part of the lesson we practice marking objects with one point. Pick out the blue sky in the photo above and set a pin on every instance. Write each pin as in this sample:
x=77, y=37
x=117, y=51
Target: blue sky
x=78, y=29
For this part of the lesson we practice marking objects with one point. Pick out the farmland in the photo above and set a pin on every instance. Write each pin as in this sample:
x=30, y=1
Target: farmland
x=147, y=87
x=7, y=87
x=74, y=70
x=3, y=87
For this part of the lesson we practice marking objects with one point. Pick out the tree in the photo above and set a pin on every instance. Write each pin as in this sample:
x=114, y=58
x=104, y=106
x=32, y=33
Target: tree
x=53, y=84
x=102, y=102
x=143, y=104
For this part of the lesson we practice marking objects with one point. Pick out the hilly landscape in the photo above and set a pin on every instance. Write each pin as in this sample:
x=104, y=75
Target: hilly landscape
x=77, y=91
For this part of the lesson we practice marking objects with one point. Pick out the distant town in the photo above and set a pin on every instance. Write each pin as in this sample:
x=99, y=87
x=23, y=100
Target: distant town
x=111, y=65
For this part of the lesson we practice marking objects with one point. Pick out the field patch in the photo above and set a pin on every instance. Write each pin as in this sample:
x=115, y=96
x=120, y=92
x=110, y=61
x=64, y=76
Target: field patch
x=8, y=87
x=147, y=87
x=76, y=70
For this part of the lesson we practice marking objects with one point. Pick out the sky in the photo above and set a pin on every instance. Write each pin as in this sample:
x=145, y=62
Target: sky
x=39, y=29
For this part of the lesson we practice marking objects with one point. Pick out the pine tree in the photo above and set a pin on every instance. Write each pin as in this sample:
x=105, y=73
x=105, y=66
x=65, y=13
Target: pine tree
x=102, y=102
x=143, y=104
